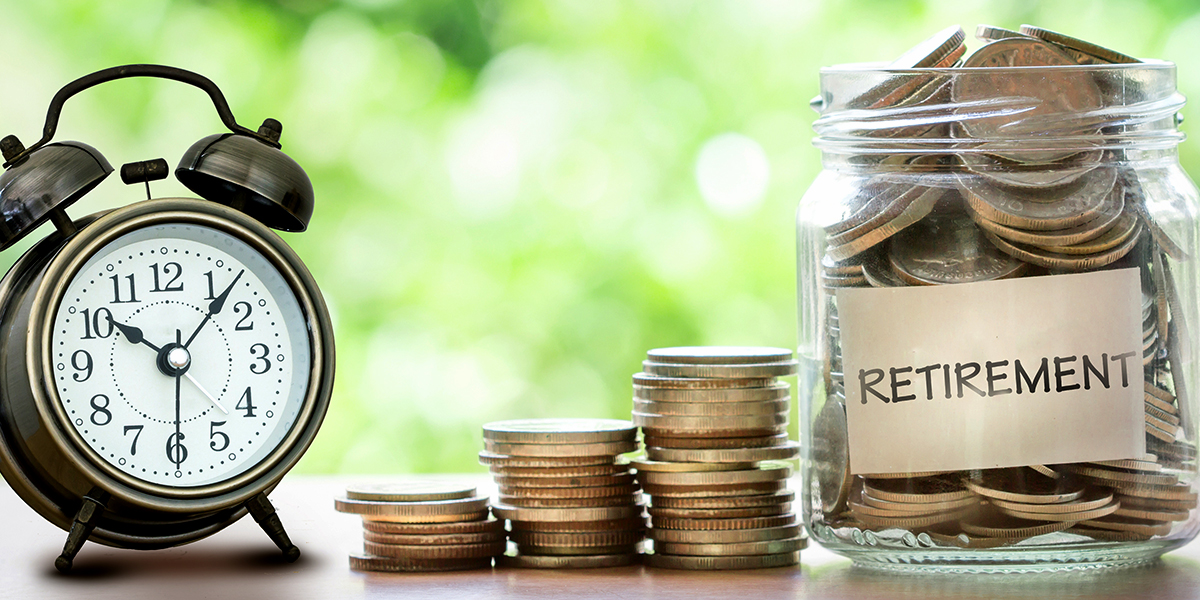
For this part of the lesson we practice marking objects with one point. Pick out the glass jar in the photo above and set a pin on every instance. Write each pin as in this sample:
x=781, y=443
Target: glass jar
x=998, y=312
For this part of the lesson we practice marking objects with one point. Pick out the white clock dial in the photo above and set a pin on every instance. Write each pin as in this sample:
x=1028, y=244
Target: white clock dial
x=180, y=355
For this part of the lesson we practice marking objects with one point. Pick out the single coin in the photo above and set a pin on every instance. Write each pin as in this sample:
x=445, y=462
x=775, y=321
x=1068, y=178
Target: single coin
x=780, y=452
x=589, y=539
x=913, y=521
x=882, y=508
x=559, y=450
x=559, y=431
x=775, y=391
x=715, y=433
x=620, y=479
x=828, y=267
x=1108, y=535
x=738, y=371
x=926, y=489
x=647, y=466
x=906, y=475
x=485, y=525
x=721, y=513
x=761, y=473
x=366, y=562
x=637, y=523
x=721, y=563
x=492, y=459
x=932, y=50
x=1134, y=502
x=725, y=502
x=417, y=519
x=702, y=491
x=555, y=473
x=763, y=441
x=566, y=562
x=997, y=525
x=456, y=506
x=691, y=383
x=525, y=501
x=713, y=409
x=737, y=422
x=719, y=355
x=1104, y=475
x=451, y=539
x=1159, y=492
x=988, y=33
x=416, y=490
x=600, y=491
x=540, y=550
x=1101, y=54
x=1091, y=500
x=1071, y=517
x=949, y=248
x=1147, y=466
x=1023, y=485
x=842, y=281
x=723, y=536
x=599, y=513
x=711, y=524
x=732, y=549
x=1151, y=515
x=436, y=552
x=1142, y=526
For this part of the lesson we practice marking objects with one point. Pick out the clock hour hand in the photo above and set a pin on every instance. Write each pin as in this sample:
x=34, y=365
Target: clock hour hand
x=215, y=307
x=132, y=334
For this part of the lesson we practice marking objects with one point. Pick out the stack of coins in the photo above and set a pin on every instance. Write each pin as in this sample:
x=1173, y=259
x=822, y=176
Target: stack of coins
x=423, y=525
x=1001, y=210
x=713, y=420
x=570, y=501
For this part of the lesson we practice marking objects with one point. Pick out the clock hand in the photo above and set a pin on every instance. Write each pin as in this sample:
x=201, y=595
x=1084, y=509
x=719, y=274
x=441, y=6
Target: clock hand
x=205, y=392
x=215, y=307
x=178, y=435
x=132, y=334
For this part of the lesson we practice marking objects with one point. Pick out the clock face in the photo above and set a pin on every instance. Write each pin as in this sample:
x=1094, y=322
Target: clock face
x=180, y=355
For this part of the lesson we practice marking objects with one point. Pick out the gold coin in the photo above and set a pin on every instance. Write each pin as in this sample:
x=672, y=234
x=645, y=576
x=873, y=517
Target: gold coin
x=598, y=513
x=539, y=462
x=365, y=562
x=604, y=491
x=564, y=482
x=414, y=519
x=716, y=443
x=629, y=524
x=1071, y=517
x=626, y=499
x=540, y=550
x=567, y=562
x=723, y=536
x=739, y=422
x=721, y=563
x=1140, y=526
x=763, y=472
x=457, y=506
x=793, y=544
x=780, y=452
x=554, y=473
x=416, y=490
x=559, y=431
x=650, y=466
x=712, y=524
x=1023, y=485
x=450, y=539
x=774, y=391
x=721, y=513
x=927, y=489
x=485, y=525
x=713, y=409
x=488, y=549
x=701, y=491
x=559, y=450
x=1091, y=500
x=738, y=371
x=724, y=502
x=581, y=539
x=652, y=432
x=691, y=383
x=913, y=521
x=896, y=510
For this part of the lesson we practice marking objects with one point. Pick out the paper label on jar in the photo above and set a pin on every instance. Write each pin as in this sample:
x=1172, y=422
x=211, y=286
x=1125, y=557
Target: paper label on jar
x=1026, y=371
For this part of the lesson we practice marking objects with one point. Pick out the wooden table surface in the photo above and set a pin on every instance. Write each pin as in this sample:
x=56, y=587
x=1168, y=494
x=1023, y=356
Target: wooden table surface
x=241, y=563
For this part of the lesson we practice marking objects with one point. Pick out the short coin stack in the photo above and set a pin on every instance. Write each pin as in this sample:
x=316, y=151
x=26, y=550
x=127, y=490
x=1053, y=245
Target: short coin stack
x=569, y=500
x=423, y=525
x=713, y=419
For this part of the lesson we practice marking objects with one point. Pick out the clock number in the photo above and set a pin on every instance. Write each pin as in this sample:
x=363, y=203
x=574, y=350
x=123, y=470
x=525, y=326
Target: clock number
x=246, y=403
x=98, y=324
x=166, y=270
x=176, y=452
x=117, y=290
x=100, y=409
x=266, y=362
x=86, y=366
x=211, y=295
x=242, y=325
x=213, y=434
x=133, y=447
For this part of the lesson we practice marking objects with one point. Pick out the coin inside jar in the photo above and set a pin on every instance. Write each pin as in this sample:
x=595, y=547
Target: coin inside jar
x=948, y=248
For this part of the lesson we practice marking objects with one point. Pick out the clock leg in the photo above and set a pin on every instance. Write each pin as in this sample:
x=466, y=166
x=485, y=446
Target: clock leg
x=85, y=522
x=262, y=511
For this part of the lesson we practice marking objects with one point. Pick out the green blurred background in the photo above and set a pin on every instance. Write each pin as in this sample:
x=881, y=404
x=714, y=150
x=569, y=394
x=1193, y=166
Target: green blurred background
x=515, y=199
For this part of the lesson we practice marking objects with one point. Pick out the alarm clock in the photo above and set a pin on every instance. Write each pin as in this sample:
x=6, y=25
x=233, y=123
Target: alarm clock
x=163, y=364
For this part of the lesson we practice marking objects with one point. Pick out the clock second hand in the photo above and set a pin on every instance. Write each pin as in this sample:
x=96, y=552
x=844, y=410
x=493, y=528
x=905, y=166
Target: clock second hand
x=205, y=392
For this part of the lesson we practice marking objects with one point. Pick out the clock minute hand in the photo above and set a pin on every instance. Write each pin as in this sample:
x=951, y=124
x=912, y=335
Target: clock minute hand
x=132, y=334
x=215, y=307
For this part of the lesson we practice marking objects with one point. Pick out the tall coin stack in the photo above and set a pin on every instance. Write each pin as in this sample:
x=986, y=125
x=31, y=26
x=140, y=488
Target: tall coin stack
x=569, y=500
x=713, y=419
x=423, y=525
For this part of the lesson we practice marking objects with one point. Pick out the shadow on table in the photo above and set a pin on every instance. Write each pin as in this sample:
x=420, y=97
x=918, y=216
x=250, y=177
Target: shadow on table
x=191, y=562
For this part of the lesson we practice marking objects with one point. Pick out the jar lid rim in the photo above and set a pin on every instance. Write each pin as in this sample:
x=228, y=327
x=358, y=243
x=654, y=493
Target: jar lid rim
x=882, y=67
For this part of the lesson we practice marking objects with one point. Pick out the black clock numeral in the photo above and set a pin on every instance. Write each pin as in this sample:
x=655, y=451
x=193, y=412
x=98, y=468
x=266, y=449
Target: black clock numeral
x=166, y=270
x=86, y=366
x=100, y=409
x=266, y=362
x=242, y=325
x=176, y=451
x=246, y=403
x=98, y=324
x=211, y=295
x=117, y=290
x=133, y=446
x=213, y=434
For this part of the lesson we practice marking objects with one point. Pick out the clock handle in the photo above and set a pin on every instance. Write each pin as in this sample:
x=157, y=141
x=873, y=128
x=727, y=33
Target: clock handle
x=81, y=528
x=260, y=508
